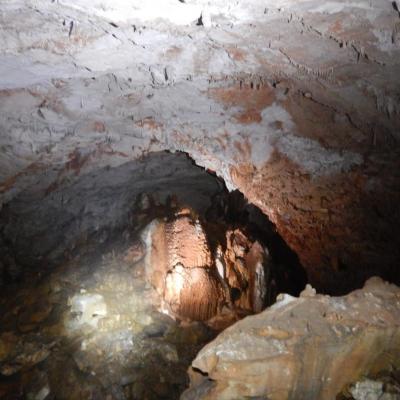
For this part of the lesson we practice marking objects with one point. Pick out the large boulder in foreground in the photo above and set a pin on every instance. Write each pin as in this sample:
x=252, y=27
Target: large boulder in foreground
x=309, y=347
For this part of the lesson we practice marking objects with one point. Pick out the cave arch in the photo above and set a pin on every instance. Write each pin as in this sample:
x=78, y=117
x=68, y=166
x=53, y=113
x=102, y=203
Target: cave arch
x=84, y=212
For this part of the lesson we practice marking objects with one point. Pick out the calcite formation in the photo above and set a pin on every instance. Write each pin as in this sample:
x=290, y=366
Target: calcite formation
x=247, y=270
x=311, y=347
x=177, y=261
x=196, y=275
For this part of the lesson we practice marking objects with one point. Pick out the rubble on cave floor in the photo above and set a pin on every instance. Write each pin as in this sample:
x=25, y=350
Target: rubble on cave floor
x=92, y=330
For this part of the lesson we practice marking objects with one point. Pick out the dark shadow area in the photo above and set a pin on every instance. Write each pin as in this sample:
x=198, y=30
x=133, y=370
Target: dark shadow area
x=40, y=229
x=78, y=316
x=87, y=212
x=288, y=275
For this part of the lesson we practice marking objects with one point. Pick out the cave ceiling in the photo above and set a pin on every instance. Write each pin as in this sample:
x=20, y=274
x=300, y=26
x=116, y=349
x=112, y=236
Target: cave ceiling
x=294, y=103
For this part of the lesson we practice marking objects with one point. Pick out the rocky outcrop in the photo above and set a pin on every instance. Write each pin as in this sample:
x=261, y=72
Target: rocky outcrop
x=197, y=268
x=310, y=347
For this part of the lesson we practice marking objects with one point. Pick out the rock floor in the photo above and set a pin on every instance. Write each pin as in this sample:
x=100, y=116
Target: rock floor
x=92, y=330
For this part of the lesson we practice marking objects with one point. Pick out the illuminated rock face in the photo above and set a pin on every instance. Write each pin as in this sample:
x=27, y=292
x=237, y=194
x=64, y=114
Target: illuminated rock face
x=192, y=293
x=178, y=265
x=310, y=347
x=196, y=282
x=247, y=270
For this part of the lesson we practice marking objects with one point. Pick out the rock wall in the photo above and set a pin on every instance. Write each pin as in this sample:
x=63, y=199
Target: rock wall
x=179, y=266
x=40, y=229
x=203, y=270
x=295, y=103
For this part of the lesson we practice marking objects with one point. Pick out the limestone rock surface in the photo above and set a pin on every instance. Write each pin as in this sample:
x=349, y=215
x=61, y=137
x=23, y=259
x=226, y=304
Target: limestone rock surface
x=294, y=103
x=198, y=268
x=309, y=347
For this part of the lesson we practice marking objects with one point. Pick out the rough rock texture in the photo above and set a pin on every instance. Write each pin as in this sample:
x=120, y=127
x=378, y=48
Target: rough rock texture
x=303, y=348
x=247, y=270
x=295, y=103
x=195, y=281
x=91, y=330
x=368, y=389
x=97, y=203
x=178, y=265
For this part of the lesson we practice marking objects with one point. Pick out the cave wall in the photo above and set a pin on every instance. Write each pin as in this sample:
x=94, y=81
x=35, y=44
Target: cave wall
x=105, y=203
x=294, y=103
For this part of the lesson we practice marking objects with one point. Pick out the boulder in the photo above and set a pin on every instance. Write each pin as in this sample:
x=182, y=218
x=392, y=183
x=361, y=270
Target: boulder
x=309, y=347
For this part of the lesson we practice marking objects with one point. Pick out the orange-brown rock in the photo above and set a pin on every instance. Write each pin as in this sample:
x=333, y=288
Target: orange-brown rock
x=309, y=347
x=178, y=265
x=195, y=282
x=246, y=265
x=192, y=293
x=181, y=241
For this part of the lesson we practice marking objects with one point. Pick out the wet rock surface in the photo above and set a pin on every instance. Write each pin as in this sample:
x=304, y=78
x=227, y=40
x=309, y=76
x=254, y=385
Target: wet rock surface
x=311, y=347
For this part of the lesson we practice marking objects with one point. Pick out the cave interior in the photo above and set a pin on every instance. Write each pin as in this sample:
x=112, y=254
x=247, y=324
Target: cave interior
x=199, y=200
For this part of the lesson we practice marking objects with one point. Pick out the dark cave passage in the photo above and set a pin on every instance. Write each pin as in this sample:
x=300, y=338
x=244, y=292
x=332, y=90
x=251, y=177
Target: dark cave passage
x=115, y=280
x=120, y=276
x=111, y=206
